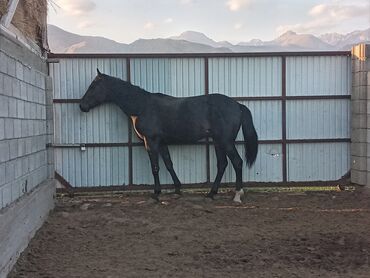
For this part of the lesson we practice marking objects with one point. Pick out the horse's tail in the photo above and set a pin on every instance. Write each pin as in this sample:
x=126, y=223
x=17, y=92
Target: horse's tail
x=250, y=136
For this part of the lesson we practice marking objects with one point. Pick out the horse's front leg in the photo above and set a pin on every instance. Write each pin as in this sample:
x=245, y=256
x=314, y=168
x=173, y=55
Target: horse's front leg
x=152, y=147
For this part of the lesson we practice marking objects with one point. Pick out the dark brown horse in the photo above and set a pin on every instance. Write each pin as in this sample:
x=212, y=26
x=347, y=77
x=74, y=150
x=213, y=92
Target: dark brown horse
x=160, y=120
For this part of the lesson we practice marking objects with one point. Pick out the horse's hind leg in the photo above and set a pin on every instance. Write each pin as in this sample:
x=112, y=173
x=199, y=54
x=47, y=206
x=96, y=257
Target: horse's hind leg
x=237, y=163
x=169, y=165
x=153, y=151
x=221, y=166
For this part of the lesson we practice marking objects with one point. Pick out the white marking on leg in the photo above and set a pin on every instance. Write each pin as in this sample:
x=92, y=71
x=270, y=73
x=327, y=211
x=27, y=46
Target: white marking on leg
x=238, y=195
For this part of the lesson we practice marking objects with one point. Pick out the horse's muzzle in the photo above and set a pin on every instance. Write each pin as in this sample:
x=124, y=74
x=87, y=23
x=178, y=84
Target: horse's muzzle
x=84, y=108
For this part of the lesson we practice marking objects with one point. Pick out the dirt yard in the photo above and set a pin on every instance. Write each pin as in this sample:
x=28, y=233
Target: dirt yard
x=269, y=235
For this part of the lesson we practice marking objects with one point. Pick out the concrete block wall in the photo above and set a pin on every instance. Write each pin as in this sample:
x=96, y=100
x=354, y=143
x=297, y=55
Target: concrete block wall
x=26, y=165
x=23, y=129
x=360, y=101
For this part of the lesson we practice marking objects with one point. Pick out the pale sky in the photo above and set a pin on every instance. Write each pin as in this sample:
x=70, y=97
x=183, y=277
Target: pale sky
x=233, y=20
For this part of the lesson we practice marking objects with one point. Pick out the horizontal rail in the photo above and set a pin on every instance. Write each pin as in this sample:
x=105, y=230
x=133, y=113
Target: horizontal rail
x=260, y=98
x=204, y=143
x=195, y=55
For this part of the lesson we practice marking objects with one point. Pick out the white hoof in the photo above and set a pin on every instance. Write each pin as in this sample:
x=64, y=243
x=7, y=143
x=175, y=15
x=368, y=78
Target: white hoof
x=238, y=195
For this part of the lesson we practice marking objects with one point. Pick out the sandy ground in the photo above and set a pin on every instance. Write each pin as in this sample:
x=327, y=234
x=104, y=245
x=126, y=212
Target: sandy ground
x=269, y=235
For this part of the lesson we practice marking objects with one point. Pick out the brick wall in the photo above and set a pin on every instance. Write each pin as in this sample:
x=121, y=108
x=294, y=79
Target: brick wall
x=360, y=147
x=23, y=125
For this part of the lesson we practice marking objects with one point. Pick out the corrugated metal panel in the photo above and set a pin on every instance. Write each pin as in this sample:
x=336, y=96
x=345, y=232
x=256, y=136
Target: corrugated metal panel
x=103, y=124
x=245, y=76
x=314, y=162
x=266, y=119
x=267, y=167
x=72, y=77
x=310, y=119
x=189, y=163
x=93, y=167
x=320, y=75
x=175, y=77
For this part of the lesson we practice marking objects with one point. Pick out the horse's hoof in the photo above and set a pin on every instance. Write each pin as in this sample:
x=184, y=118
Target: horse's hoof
x=238, y=196
x=210, y=196
x=176, y=195
x=154, y=198
x=178, y=192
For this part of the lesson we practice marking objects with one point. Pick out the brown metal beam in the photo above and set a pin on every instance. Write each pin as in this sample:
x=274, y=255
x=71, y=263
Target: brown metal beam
x=198, y=55
x=283, y=119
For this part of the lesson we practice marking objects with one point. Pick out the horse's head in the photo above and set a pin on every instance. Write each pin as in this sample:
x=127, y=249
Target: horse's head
x=97, y=93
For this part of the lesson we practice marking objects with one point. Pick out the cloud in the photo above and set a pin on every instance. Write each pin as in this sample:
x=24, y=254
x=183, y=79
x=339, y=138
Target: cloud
x=187, y=2
x=149, y=25
x=236, y=5
x=85, y=24
x=238, y=26
x=324, y=17
x=77, y=7
x=168, y=20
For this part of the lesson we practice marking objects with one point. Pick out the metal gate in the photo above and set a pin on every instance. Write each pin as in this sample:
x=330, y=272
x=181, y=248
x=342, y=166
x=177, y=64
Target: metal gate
x=300, y=104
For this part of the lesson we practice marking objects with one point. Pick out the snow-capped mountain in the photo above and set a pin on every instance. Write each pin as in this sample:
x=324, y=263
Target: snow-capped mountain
x=61, y=41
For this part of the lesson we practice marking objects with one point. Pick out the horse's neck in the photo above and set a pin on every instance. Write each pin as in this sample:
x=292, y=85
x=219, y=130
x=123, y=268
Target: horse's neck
x=132, y=100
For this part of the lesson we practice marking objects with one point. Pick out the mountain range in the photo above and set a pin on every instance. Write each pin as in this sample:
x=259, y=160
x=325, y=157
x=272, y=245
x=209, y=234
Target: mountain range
x=61, y=41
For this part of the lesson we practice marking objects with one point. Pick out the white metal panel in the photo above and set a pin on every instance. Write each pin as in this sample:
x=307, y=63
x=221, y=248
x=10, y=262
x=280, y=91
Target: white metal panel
x=248, y=76
x=72, y=77
x=318, y=162
x=312, y=119
x=267, y=167
x=180, y=77
x=266, y=119
x=318, y=75
x=103, y=124
x=93, y=167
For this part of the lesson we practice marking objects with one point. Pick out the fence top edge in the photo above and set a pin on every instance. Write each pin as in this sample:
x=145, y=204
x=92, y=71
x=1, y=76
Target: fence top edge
x=197, y=55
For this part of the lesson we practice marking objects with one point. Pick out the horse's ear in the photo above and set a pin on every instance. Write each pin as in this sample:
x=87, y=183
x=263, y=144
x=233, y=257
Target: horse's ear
x=99, y=73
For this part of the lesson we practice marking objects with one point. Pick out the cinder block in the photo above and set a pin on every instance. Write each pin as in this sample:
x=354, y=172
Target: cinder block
x=4, y=151
x=358, y=177
x=2, y=129
x=18, y=168
x=359, y=135
x=27, y=75
x=359, y=163
x=359, y=78
x=27, y=112
x=17, y=128
x=358, y=121
x=48, y=83
x=9, y=171
x=359, y=93
x=359, y=106
x=359, y=149
x=2, y=174
x=3, y=62
x=7, y=86
x=4, y=106
x=20, y=108
x=7, y=194
x=21, y=147
x=28, y=145
x=13, y=145
x=11, y=66
x=12, y=107
x=9, y=128
x=25, y=165
x=42, y=112
x=16, y=88
x=15, y=190
x=23, y=90
x=19, y=70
